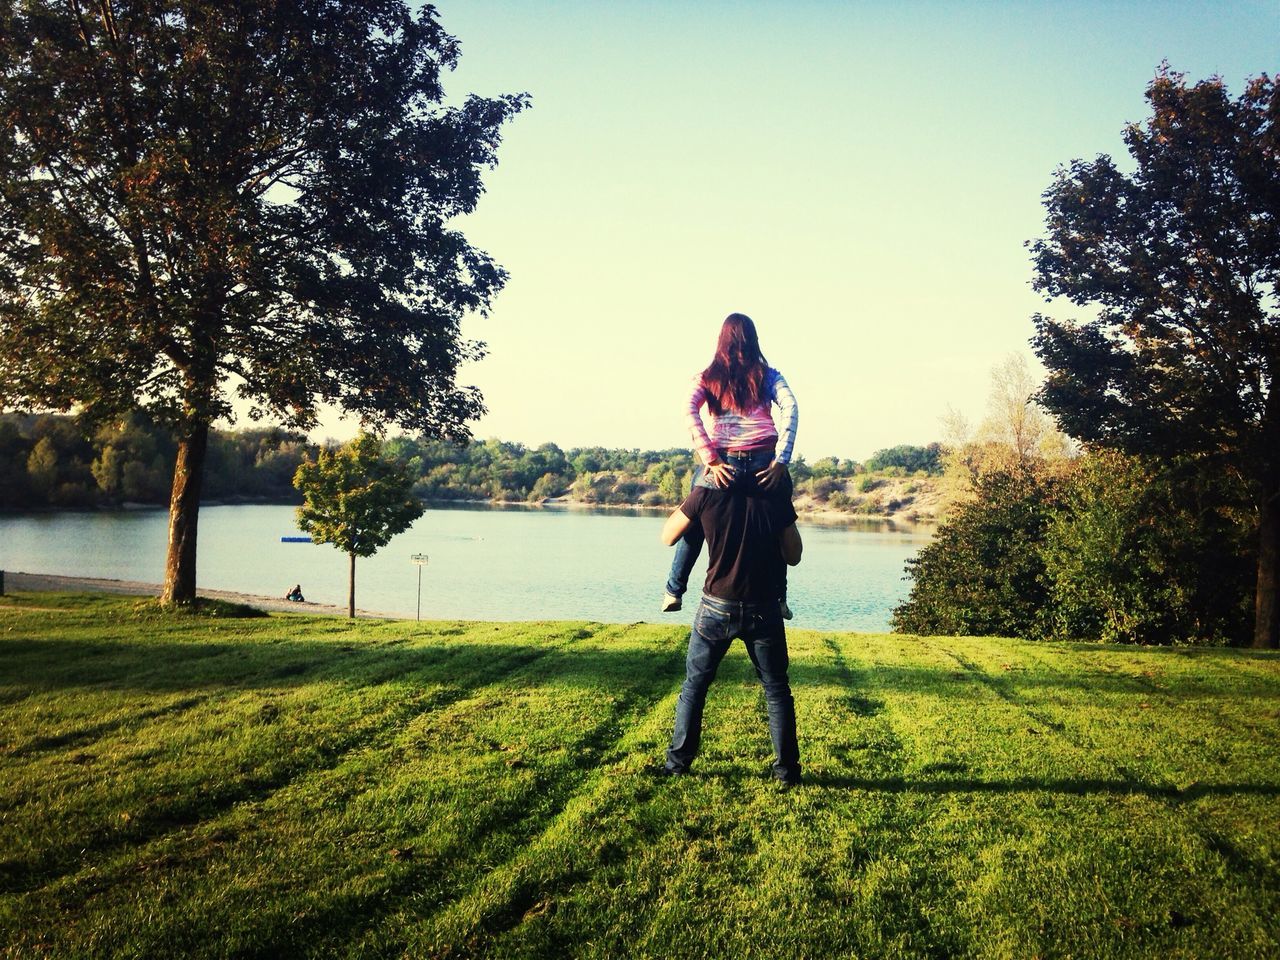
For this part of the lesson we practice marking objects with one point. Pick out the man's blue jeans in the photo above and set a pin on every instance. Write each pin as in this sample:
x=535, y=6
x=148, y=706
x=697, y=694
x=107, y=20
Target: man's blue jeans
x=689, y=546
x=716, y=625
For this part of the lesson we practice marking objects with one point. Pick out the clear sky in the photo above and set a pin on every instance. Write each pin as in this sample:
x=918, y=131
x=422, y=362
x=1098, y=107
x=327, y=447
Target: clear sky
x=858, y=177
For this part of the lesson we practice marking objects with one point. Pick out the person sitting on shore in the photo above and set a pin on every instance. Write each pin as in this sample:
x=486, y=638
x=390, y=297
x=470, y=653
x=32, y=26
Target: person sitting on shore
x=295, y=594
x=738, y=388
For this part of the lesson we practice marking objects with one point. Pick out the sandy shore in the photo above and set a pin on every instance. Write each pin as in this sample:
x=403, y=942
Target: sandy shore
x=47, y=582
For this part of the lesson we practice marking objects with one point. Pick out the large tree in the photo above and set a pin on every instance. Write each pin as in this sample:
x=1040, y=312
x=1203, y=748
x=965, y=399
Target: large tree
x=1179, y=256
x=202, y=201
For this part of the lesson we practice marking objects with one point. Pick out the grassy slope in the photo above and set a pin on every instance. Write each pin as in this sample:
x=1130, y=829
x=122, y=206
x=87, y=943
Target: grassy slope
x=292, y=786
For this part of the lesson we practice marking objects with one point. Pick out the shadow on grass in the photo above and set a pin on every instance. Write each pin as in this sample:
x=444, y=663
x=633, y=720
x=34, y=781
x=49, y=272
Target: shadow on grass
x=131, y=645
x=209, y=607
x=1080, y=787
x=176, y=665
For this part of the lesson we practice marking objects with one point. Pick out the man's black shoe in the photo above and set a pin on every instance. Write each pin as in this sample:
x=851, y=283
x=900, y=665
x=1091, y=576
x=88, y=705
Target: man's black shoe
x=663, y=772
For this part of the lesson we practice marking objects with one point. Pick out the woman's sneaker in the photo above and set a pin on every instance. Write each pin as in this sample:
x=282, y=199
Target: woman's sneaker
x=671, y=603
x=786, y=611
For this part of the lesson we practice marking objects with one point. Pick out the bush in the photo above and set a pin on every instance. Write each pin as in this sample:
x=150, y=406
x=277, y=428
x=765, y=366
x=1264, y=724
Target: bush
x=627, y=491
x=1134, y=556
x=865, y=483
x=547, y=485
x=983, y=573
x=821, y=488
x=1118, y=549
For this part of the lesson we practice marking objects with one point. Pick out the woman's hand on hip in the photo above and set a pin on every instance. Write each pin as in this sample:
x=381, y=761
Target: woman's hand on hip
x=721, y=474
x=772, y=475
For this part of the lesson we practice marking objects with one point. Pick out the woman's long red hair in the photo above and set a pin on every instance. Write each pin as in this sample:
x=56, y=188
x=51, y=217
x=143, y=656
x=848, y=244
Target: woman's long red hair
x=735, y=378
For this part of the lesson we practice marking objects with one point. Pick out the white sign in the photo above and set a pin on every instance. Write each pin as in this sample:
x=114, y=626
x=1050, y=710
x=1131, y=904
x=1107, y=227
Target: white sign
x=419, y=558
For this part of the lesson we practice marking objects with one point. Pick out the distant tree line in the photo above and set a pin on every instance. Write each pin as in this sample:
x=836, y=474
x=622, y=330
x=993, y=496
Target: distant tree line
x=55, y=461
x=503, y=471
x=908, y=458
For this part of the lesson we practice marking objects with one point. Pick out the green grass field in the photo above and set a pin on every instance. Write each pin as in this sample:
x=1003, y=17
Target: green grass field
x=212, y=786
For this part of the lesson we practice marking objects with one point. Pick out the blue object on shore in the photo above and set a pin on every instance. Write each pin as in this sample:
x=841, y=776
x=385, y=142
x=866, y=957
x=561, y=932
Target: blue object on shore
x=295, y=539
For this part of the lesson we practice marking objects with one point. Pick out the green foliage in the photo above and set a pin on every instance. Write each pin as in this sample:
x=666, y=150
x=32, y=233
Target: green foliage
x=909, y=459
x=825, y=467
x=686, y=484
x=1179, y=259
x=1176, y=257
x=1117, y=549
x=130, y=464
x=865, y=483
x=42, y=469
x=608, y=488
x=266, y=191
x=14, y=453
x=1138, y=554
x=257, y=463
x=206, y=607
x=547, y=485
x=821, y=487
x=131, y=459
x=983, y=573
x=671, y=487
x=355, y=498
x=204, y=201
x=500, y=470
x=58, y=465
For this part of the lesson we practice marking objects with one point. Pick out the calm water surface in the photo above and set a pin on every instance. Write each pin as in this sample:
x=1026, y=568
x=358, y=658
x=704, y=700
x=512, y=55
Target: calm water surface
x=485, y=564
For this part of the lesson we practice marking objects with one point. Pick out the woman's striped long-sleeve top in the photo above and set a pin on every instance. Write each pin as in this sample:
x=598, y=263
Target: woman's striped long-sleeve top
x=746, y=431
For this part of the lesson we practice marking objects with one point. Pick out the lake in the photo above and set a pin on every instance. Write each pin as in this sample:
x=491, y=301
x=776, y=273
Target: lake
x=485, y=563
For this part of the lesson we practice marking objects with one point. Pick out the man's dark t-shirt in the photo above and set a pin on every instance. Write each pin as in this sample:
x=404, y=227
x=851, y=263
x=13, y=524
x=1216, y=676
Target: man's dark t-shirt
x=744, y=558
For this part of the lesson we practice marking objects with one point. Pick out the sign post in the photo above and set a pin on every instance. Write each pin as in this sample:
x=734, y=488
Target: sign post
x=419, y=560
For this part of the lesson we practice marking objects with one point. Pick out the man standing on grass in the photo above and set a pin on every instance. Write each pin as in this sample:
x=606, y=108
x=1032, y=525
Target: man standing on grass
x=749, y=535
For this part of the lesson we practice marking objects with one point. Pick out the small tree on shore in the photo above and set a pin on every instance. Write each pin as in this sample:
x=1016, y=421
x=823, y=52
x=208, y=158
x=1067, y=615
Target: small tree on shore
x=356, y=499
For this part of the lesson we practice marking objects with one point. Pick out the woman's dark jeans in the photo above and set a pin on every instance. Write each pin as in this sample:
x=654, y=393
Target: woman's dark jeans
x=689, y=546
x=715, y=626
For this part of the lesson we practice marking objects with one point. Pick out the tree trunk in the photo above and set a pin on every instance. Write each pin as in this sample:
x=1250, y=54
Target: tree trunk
x=1266, y=616
x=351, y=588
x=184, y=516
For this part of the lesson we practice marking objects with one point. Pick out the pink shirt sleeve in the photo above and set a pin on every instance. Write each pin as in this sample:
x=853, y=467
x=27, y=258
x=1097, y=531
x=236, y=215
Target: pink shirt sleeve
x=693, y=419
